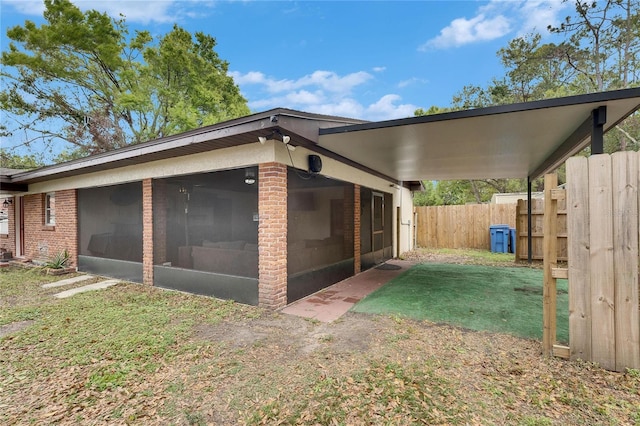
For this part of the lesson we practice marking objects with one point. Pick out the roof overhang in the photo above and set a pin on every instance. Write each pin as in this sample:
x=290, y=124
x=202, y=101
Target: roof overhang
x=510, y=141
x=303, y=128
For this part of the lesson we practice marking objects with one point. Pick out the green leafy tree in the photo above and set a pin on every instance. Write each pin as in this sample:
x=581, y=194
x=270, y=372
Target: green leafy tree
x=10, y=160
x=602, y=46
x=82, y=79
x=534, y=70
x=428, y=197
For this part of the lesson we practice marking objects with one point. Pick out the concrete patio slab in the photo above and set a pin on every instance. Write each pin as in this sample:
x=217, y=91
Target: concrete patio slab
x=331, y=303
x=90, y=287
x=68, y=281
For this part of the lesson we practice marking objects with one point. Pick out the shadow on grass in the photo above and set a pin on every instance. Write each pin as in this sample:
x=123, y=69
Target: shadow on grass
x=497, y=299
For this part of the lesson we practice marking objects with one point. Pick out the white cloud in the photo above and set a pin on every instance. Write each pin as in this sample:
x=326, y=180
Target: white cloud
x=411, y=81
x=463, y=31
x=26, y=7
x=325, y=80
x=386, y=108
x=379, y=69
x=142, y=12
x=321, y=92
x=537, y=15
x=496, y=19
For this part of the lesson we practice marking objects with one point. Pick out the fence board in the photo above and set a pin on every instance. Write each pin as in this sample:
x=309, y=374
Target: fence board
x=537, y=225
x=601, y=252
x=625, y=258
x=578, y=252
x=461, y=226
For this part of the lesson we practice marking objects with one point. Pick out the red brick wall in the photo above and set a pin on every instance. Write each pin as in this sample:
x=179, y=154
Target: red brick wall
x=272, y=235
x=357, y=264
x=8, y=241
x=147, y=231
x=43, y=242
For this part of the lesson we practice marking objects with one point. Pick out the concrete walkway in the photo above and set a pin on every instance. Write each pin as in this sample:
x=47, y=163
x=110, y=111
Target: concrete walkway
x=96, y=286
x=331, y=303
x=68, y=281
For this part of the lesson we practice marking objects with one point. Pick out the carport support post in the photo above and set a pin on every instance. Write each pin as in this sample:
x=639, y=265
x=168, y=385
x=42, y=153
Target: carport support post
x=599, y=118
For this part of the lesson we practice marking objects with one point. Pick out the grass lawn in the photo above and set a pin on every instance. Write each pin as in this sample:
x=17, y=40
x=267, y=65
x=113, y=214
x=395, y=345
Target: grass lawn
x=138, y=355
x=498, y=299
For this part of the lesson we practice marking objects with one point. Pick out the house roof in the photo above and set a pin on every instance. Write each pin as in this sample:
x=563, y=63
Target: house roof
x=509, y=141
x=303, y=128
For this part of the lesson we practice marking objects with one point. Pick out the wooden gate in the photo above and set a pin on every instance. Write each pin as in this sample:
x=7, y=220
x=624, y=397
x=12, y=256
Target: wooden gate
x=603, y=238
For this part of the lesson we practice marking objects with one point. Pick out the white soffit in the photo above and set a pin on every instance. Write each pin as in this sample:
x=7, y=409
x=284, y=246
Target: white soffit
x=510, y=141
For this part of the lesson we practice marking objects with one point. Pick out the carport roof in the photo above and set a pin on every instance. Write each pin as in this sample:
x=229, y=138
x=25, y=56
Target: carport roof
x=509, y=141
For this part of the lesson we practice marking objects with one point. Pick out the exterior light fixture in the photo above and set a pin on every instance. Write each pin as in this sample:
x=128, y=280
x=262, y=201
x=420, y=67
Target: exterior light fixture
x=249, y=177
x=7, y=202
x=285, y=139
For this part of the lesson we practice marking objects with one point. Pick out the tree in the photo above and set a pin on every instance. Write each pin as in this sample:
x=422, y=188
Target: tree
x=15, y=161
x=428, y=197
x=602, y=46
x=80, y=78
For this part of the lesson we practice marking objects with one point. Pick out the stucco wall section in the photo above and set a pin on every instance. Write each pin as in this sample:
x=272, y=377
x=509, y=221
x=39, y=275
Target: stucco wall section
x=42, y=242
x=272, y=235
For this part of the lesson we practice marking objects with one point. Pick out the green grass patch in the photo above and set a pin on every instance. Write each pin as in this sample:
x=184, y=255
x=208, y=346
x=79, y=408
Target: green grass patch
x=497, y=299
x=119, y=333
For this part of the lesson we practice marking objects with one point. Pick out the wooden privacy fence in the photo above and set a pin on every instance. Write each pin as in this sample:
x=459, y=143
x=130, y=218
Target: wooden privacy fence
x=603, y=239
x=537, y=228
x=603, y=234
x=461, y=226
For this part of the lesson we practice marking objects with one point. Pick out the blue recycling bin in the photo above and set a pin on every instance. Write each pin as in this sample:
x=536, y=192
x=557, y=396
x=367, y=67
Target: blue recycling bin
x=499, y=238
x=512, y=242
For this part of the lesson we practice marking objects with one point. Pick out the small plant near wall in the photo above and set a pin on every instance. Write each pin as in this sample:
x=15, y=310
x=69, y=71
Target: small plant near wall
x=59, y=264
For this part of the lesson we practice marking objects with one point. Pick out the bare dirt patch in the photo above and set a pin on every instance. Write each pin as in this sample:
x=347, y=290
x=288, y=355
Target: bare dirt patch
x=350, y=334
x=14, y=327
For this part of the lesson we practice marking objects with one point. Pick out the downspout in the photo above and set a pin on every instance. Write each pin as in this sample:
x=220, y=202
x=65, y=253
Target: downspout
x=401, y=223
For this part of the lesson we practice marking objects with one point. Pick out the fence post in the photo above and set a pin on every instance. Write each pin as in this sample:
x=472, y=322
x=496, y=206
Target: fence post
x=550, y=241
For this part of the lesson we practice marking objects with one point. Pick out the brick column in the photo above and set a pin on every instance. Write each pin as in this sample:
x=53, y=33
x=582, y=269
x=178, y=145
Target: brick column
x=147, y=231
x=272, y=235
x=357, y=260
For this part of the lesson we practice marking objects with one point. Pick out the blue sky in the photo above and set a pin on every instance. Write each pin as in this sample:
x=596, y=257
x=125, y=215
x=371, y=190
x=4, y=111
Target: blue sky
x=372, y=60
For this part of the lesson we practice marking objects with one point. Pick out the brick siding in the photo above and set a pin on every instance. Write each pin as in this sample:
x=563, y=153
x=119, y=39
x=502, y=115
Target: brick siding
x=272, y=235
x=42, y=242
